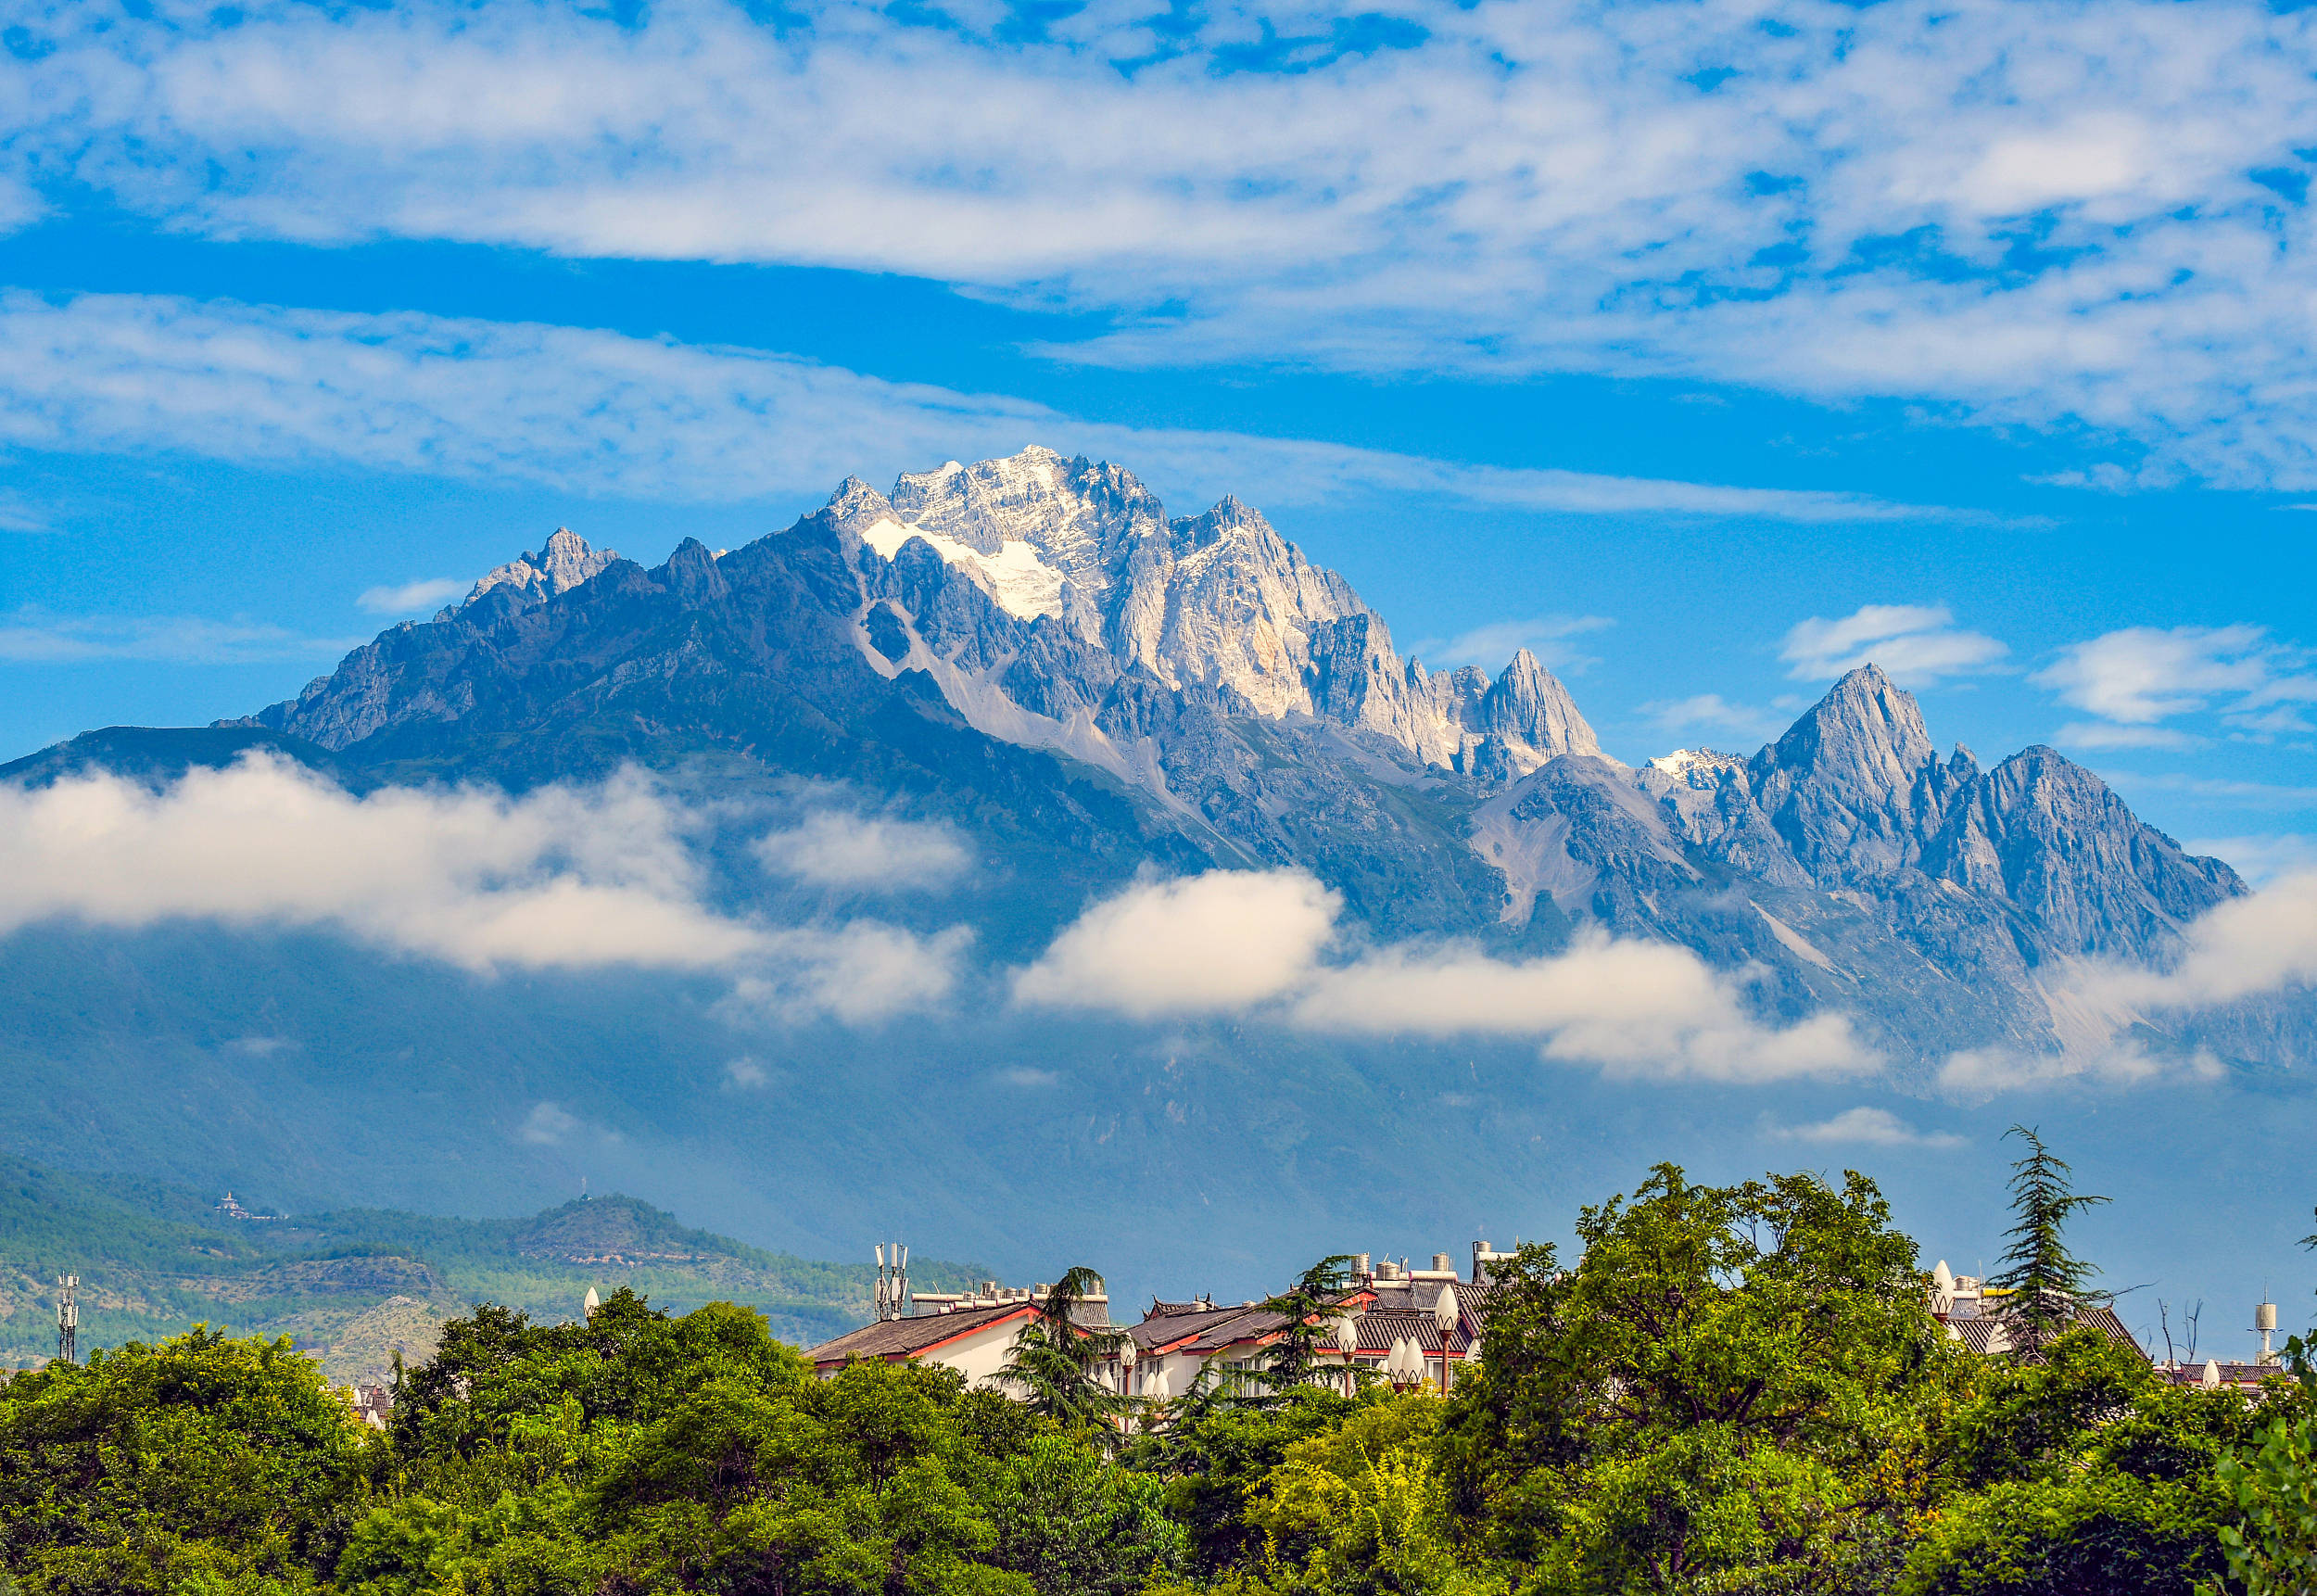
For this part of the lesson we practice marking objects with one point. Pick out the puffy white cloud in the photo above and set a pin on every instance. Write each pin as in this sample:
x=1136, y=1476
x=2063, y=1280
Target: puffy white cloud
x=598, y=412
x=1201, y=945
x=2142, y=675
x=833, y=848
x=1866, y=1127
x=1835, y=205
x=412, y=597
x=547, y=1125
x=1632, y=1008
x=2247, y=946
x=560, y=877
x=1230, y=942
x=1917, y=644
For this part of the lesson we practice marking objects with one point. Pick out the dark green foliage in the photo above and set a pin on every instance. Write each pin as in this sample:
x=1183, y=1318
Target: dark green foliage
x=1732, y=1391
x=1295, y=1355
x=201, y=1461
x=1733, y=1383
x=1053, y=1365
x=2045, y=1281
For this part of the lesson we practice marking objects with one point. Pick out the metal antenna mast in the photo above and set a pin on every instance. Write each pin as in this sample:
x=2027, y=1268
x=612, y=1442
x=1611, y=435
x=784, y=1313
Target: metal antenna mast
x=68, y=1317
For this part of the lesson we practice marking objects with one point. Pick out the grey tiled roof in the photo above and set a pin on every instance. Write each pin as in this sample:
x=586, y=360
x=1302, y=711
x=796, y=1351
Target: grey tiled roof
x=898, y=1337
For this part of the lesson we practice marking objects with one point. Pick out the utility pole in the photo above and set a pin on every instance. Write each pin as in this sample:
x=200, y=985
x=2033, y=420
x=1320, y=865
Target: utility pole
x=68, y=1317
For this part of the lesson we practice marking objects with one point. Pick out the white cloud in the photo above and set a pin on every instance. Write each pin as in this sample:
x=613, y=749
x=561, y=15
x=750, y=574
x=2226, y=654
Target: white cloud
x=1918, y=645
x=1978, y=1073
x=1547, y=637
x=595, y=411
x=1202, y=944
x=831, y=848
x=15, y=515
x=412, y=597
x=1026, y=1078
x=559, y=878
x=2261, y=859
x=1632, y=1008
x=36, y=635
x=547, y=1125
x=746, y=1074
x=2098, y=737
x=1232, y=942
x=857, y=973
x=2026, y=211
x=1712, y=712
x=2142, y=675
x=2247, y=946
x=1866, y=1127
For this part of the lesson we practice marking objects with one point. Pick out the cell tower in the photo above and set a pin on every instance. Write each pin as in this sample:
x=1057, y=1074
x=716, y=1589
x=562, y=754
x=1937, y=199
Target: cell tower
x=68, y=1317
x=893, y=1281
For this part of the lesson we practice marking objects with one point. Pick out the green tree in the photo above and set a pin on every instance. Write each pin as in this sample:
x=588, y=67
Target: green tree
x=1735, y=1388
x=1055, y=1360
x=1293, y=1357
x=203, y=1461
x=2045, y=1282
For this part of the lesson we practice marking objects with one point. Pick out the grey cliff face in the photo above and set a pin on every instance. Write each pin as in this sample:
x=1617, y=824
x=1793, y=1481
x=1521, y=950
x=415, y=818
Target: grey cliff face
x=1854, y=785
x=1034, y=638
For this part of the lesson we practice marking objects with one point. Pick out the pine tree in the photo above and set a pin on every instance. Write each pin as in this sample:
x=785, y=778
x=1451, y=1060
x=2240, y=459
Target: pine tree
x=1307, y=1307
x=2046, y=1281
x=1055, y=1362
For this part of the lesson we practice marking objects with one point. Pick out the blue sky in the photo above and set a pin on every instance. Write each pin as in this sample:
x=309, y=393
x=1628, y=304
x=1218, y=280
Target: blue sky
x=1706, y=347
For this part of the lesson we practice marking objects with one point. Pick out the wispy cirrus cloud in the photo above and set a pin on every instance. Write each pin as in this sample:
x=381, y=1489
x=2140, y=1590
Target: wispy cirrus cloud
x=410, y=598
x=1919, y=645
x=1552, y=638
x=1714, y=715
x=37, y=636
x=2137, y=676
x=2088, y=217
x=601, y=413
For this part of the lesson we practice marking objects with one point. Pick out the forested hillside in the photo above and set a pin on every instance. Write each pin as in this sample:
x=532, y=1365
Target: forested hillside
x=355, y=1286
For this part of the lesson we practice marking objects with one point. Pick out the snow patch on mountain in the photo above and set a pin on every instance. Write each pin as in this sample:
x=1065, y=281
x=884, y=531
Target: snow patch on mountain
x=1024, y=585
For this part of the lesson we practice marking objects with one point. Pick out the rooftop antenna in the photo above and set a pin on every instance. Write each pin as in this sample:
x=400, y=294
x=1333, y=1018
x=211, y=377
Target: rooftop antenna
x=68, y=1317
x=893, y=1281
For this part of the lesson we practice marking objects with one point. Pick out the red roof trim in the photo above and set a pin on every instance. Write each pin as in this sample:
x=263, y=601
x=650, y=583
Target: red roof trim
x=936, y=1346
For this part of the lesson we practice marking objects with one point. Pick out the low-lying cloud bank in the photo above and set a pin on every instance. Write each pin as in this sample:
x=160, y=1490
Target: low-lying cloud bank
x=559, y=878
x=2248, y=948
x=1242, y=940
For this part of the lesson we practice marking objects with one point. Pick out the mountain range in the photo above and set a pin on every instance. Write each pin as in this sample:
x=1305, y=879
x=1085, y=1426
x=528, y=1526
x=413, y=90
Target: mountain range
x=1030, y=651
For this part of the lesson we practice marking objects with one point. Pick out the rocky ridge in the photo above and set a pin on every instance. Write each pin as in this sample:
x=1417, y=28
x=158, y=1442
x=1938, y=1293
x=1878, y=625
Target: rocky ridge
x=1194, y=690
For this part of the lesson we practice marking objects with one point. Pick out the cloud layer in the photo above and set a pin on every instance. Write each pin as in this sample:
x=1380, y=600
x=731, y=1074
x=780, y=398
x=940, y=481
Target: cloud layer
x=595, y=411
x=559, y=878
x=1232, y=941
x=2081, y=215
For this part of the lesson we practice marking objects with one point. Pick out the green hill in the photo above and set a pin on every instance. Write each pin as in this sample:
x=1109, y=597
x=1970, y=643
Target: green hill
x=356, y=1286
